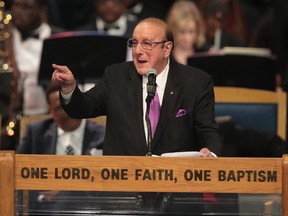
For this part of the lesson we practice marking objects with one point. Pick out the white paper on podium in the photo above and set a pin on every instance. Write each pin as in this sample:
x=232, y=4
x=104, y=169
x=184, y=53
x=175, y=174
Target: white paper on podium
x=181, y=154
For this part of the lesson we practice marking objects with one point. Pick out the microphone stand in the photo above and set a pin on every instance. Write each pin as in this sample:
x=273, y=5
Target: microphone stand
x=151, y=89
x=148, y=123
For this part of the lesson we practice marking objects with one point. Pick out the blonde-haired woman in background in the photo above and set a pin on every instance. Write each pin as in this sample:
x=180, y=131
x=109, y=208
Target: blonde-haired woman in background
x=188, y=27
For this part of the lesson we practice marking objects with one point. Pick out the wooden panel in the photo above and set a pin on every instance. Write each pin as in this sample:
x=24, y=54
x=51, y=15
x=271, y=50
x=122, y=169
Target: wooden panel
x=1, y=132
x=100, y=120
x=285, y=186
x=239, y=175
x=245, y=95
x=225, y=175
x=241, y=95
x=282, y=114
x=7, y=183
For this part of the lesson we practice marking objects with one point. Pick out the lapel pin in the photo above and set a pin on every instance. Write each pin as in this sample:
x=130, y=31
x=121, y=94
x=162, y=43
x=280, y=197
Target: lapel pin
x=171, y=92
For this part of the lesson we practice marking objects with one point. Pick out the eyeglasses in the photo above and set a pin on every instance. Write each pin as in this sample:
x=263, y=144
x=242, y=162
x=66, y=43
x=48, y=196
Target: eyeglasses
x=146, y=44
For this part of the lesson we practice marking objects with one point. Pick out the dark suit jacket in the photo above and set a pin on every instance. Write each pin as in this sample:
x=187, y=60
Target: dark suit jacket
x=41, y=138
x=119, y=96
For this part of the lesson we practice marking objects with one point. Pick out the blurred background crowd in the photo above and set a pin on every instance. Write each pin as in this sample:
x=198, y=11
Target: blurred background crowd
x=198, y=26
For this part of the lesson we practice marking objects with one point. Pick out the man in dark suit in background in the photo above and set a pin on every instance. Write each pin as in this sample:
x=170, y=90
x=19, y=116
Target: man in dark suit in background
x=186, y=97
x=60, y=135
x=111, y=18
x=53, y=135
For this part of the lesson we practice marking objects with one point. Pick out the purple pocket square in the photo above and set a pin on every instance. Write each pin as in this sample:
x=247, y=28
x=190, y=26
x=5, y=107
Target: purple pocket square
x=181, y=112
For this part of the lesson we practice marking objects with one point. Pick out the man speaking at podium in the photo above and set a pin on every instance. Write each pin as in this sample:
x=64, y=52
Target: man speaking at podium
x=181, y=99
x=186, y=98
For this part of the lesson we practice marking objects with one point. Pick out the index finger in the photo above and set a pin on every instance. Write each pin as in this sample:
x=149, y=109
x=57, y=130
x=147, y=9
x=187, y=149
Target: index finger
x=59, y=68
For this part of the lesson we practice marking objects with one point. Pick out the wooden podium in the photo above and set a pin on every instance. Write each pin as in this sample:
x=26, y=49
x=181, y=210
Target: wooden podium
x=140, y=174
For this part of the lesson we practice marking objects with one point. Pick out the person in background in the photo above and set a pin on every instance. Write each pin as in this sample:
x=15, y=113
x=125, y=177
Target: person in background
x=70, y=14
x=215, y=15
x=60, y=135
x=110, y=18
x=188, y=27
x=141, y=9
x=29, y=31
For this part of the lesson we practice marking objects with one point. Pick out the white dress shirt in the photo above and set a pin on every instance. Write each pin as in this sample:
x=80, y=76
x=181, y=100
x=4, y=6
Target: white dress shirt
x=73, y=138
x=28, y=56
x=161, y=80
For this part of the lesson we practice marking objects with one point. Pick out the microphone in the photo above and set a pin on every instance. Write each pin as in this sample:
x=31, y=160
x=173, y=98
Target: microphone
x=151, y=84
x=151, y=89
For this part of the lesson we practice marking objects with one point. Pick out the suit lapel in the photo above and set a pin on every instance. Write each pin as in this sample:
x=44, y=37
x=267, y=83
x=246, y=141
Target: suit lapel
x=135, y=96
x=88, y=138
x=50, y=139
x=171, y=95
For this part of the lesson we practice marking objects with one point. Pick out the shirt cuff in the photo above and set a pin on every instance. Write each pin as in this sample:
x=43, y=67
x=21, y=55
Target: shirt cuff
x=213, y=154
x=66, y=97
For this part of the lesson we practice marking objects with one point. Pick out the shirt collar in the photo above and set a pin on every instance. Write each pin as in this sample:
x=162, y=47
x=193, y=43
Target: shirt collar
x=120, y=23
x=161, y=78
x=42, y=32
x=78, y=130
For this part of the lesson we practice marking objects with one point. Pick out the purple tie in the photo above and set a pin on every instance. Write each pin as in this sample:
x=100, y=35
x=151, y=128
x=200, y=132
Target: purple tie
x=154, y=112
